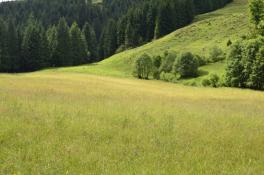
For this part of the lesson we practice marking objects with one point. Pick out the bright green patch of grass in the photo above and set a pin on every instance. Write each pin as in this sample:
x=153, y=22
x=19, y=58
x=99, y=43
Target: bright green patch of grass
x=65, y=123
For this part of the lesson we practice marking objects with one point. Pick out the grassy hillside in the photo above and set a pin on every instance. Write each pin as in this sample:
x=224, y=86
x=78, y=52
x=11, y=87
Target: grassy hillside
x=65, y=123
x=208, y=30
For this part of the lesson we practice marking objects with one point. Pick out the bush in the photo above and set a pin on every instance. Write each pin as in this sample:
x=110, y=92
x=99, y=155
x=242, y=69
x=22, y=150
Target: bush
x=169, y=77
x=212, y=81
x=167, y=62
x=216, y=54
x=143, y=67
x=186, y=65
x=201, y=60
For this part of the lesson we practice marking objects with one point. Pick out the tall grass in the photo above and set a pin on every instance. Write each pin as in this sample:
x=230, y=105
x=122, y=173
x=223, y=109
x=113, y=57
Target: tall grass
x=65, y=123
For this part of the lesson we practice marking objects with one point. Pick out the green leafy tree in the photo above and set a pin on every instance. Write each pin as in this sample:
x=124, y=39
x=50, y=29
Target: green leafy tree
x=186, y=65
x=257, y=75
x=167, y=62
x=143, y=67
x=256, y=8
x=216, y=54
x=234, y=70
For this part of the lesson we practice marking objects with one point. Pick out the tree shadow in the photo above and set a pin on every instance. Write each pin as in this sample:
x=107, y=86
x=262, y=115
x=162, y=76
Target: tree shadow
x=202, y=73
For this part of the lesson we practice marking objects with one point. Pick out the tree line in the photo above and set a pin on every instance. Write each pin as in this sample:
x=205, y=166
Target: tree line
x=37, y=48
x=39, y=33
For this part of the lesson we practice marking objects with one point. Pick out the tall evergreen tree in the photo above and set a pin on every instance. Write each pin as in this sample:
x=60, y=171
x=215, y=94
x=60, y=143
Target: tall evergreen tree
x=164, y=22
x=91, y=40
x=3, y=46
x=12, y=47
x=78, y=46
x=62, y=55
x=52, y=41
x=109, y=39
x=32, y=47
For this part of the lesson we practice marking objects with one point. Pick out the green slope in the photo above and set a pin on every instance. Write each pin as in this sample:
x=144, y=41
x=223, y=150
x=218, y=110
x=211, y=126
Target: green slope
x=207, y=30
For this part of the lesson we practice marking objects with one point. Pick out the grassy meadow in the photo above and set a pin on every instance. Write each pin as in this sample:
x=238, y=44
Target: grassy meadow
x=69, y=123
x=96, y=119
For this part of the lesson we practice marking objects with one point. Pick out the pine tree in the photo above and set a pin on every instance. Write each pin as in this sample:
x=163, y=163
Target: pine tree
x=32, y=48
x=52, y=42
x=109, y=39
x=79, y=47
x=91, y=40
x=164, y=22
x=12, y=48
x=3, y=46
x=62, y=56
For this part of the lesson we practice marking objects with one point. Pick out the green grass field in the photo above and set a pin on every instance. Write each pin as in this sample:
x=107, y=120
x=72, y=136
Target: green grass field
x=69, y=123
x=96, y=119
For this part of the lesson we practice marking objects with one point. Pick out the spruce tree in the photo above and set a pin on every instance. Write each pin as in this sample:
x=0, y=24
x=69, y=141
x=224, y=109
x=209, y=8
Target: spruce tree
x=32, y=48
x=3, y=46
x=52, y=42
x=62, y=55
x=164, y=22
x=109, y=39
x=79, y=48
x=91, y=40
x=12, y=47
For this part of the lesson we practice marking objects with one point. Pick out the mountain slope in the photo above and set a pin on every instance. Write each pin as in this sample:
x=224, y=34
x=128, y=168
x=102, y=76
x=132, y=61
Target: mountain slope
x=207, y=30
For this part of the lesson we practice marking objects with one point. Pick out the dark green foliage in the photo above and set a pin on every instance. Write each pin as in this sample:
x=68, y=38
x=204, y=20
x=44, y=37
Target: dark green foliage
x=33, y=47
x=186, y=65
x=79, y=53
x=62, y=55
x=202, y=6
x=234, y=70
x=52, y=44
x=245, y=64
x=229, y=43
x=164, y=21
x=257, y=76
x=256, y=8
x=4, y=60
x=108, y=44
x=156, y=60
x=91, y=40
x=143, y=67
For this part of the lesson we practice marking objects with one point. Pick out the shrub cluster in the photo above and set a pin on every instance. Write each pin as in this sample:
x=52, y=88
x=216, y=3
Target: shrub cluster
x=245, y=64
x=212, y=81
x=169, y=67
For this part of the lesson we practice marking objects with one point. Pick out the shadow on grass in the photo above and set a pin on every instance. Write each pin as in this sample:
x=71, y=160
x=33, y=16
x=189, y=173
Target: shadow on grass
x=202, y=73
